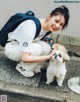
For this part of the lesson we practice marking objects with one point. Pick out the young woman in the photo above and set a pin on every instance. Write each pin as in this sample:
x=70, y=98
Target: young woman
x=25, y=33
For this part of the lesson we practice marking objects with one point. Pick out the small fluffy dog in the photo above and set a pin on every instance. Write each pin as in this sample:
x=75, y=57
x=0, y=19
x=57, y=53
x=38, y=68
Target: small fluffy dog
x=56, y=66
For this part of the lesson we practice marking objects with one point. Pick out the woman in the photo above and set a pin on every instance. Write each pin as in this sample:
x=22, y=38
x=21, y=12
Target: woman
x=25, y=32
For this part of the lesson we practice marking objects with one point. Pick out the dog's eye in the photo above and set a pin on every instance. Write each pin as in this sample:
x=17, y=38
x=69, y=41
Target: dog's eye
x=59, y=55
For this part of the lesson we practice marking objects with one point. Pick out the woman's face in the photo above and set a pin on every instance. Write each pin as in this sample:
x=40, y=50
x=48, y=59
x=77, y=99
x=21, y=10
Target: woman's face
x=56, y=23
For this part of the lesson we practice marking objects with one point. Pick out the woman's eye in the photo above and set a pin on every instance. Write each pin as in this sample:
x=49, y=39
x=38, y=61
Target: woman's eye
x=59, y=55
x=56, y=21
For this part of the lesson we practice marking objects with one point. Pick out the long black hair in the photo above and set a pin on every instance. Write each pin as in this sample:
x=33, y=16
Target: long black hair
x=63, y=10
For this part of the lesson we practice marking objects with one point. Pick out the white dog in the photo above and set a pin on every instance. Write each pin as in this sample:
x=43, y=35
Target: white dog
x=57, y=65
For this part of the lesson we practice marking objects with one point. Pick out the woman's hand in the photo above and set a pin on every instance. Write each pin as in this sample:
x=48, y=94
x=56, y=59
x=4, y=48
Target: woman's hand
x=28, y=58
x=50, y=55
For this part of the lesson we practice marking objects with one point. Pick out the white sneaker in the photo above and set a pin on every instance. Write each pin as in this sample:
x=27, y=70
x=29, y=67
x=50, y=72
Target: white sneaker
x=23, y=71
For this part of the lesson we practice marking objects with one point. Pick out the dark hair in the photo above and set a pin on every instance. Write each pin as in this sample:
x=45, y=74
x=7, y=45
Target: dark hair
x=63, y=11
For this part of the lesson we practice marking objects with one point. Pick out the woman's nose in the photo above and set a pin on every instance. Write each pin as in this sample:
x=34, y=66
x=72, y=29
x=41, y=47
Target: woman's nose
x=57, y=25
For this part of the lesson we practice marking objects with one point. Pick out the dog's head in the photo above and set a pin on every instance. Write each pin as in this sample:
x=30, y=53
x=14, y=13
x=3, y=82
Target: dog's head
x=60, y=56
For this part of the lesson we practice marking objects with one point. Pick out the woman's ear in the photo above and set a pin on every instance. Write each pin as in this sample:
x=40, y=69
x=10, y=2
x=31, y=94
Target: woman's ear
x=49, y=17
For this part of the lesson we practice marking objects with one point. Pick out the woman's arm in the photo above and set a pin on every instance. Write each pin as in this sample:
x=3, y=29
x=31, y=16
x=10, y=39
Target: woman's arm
x=28, y=58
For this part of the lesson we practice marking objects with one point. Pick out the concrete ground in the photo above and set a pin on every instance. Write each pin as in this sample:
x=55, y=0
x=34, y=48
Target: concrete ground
x=21, y=89
x=14, y=82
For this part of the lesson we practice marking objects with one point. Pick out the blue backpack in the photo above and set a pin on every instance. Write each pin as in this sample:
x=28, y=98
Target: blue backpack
x=13, y=23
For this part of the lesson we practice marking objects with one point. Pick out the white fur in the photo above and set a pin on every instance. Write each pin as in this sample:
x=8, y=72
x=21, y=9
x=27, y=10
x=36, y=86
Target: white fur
x=57, y=67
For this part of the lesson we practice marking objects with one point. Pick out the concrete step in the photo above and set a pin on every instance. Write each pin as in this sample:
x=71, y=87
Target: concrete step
x=13, y=97
x=21, y=89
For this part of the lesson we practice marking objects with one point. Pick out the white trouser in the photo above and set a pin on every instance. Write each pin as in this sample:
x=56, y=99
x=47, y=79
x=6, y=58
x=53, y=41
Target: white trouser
x=12, y=51
x=26, y=69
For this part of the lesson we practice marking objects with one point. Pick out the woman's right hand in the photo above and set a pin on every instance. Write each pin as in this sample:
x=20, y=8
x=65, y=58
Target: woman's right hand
x=50, y=55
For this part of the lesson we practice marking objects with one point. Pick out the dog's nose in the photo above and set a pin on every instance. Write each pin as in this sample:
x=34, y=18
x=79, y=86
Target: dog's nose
x=55, y=57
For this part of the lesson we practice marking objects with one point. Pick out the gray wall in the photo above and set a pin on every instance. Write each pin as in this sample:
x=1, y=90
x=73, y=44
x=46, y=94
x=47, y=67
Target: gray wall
x=41, y=8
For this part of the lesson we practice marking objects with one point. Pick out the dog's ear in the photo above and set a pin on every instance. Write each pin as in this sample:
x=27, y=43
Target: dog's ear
x=66, y=57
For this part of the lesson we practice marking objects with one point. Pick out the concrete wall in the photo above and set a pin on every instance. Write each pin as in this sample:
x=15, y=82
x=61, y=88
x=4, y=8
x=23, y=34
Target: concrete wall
x=41, y=8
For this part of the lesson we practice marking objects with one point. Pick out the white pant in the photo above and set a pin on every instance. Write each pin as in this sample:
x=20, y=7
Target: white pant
x=26, y=69
x=12, y=51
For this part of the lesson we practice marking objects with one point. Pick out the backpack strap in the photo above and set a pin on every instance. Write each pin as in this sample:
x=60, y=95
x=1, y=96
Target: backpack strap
x=46, y=35
x=37, y=22
x=30, y=15
x=38, y=27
